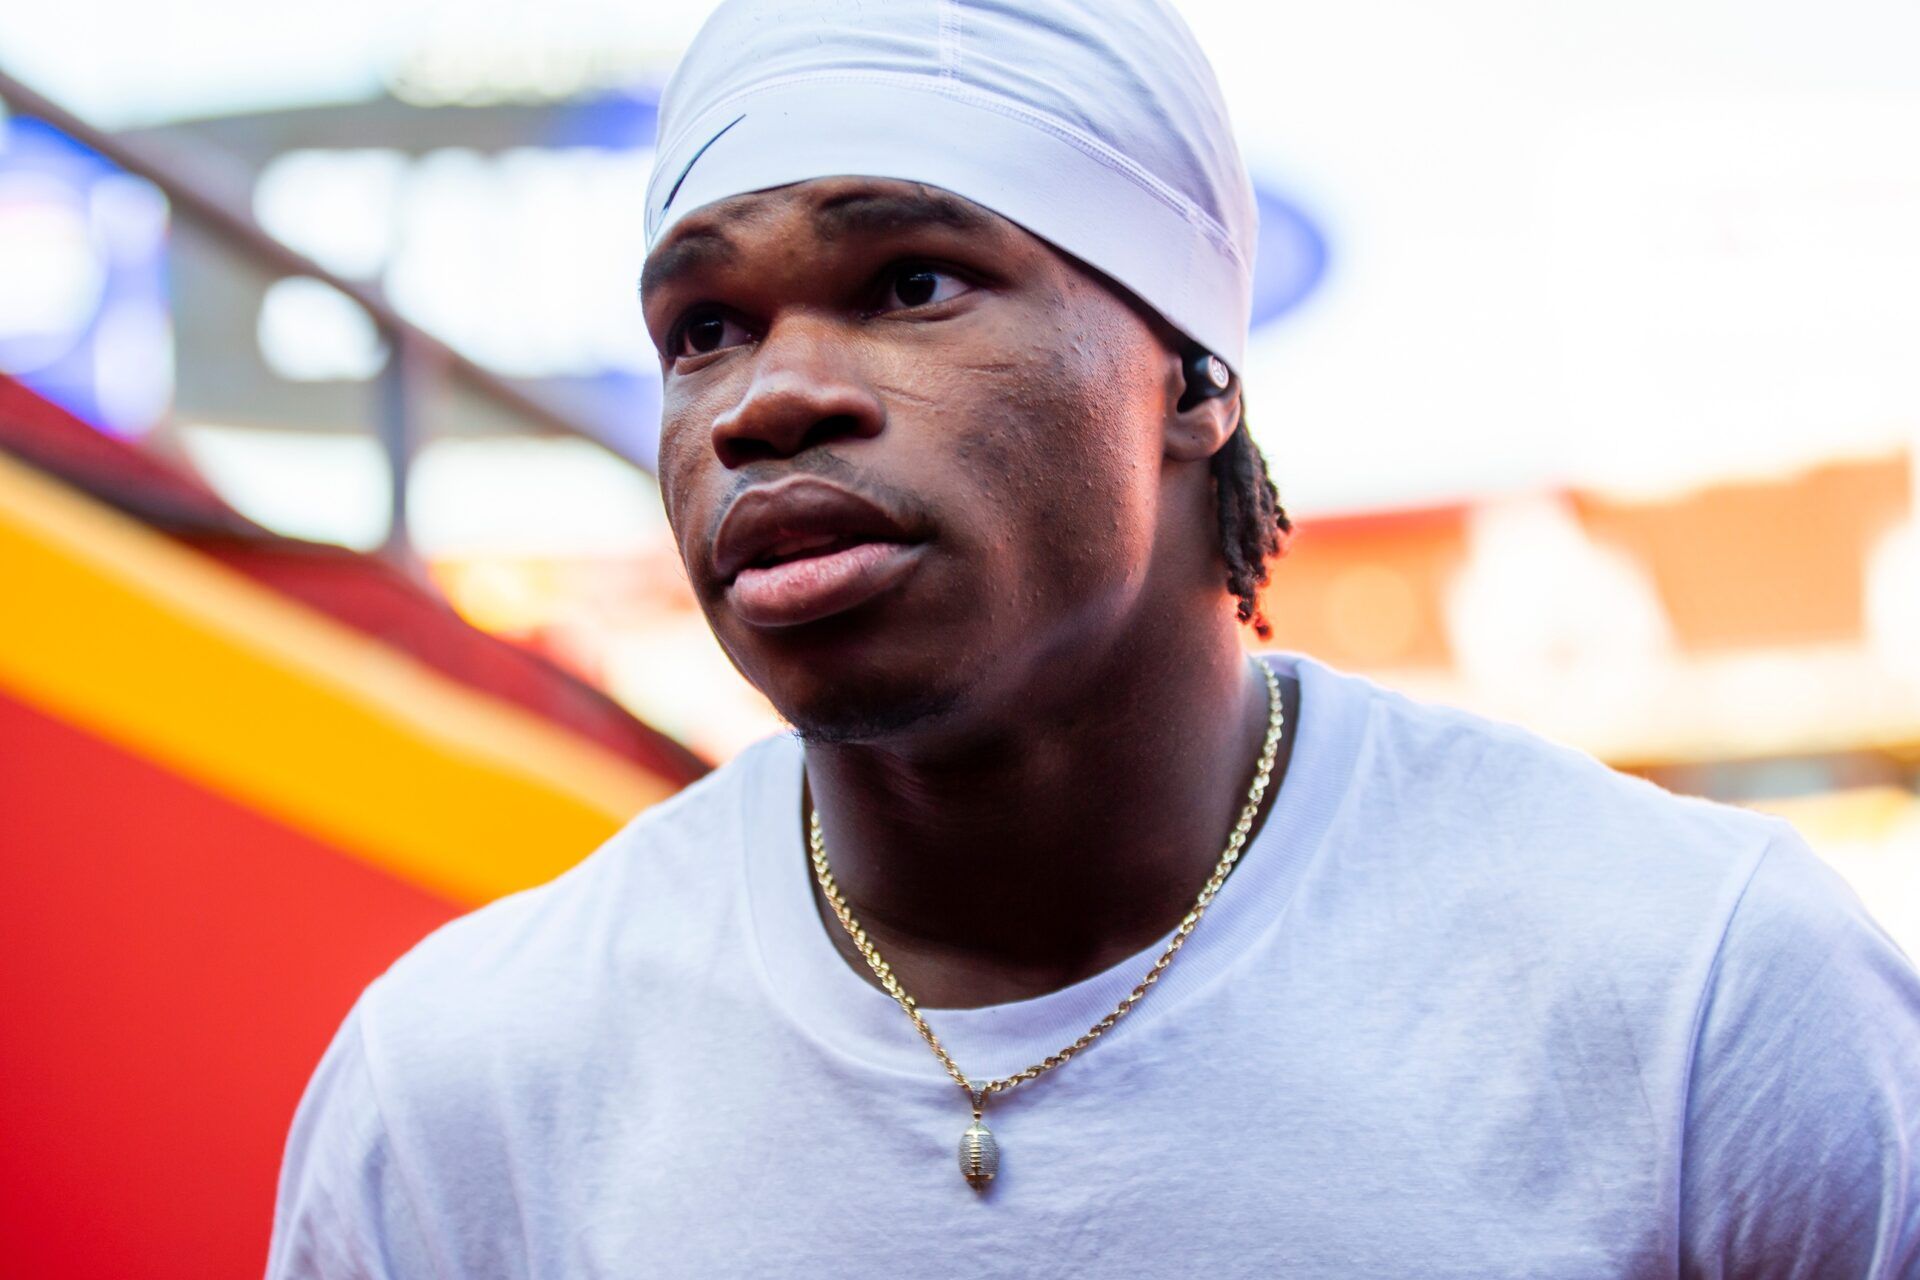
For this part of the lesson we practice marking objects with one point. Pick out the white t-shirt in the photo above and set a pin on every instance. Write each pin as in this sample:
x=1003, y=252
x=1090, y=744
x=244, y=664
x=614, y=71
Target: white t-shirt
x=1471, y=1005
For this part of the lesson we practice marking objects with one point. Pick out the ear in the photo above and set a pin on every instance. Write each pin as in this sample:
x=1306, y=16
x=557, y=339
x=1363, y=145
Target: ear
x=1196, y=433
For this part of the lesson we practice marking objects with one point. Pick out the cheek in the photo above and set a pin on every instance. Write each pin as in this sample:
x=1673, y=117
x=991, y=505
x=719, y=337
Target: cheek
x=1064, y=458
x=685, y=460
x=1101, y=446
x=671, y=470
x=687, y=473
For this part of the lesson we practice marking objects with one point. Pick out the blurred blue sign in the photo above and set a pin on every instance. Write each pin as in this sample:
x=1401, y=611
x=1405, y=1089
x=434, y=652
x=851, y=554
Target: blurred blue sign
x=1289, y=259
x=83, y=285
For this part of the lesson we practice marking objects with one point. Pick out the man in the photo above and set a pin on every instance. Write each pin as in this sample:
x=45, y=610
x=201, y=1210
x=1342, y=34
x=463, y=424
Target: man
x=1061, y=937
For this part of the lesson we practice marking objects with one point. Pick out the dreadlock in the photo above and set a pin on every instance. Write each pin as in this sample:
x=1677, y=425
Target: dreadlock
x=1254, y=527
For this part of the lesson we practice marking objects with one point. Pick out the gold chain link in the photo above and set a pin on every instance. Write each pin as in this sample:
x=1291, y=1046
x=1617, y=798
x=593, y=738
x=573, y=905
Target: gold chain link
x=816, y=844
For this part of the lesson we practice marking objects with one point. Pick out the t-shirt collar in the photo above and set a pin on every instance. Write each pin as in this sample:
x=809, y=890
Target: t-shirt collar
x=833, y=1004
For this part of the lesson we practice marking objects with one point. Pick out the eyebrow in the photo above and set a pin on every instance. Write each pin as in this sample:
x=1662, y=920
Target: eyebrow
x=853, y=213
x=690, y=252
x=878, y=212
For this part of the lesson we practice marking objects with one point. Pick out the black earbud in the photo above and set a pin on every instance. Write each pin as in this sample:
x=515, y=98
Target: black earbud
x=1207, y=376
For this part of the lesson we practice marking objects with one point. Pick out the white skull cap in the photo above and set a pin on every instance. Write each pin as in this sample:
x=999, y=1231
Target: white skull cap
x=1095, y=124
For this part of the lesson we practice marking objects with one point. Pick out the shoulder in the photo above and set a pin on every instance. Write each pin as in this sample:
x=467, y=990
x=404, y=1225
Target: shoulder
x=1801, y=949
x=455, y=1061
x=525, y=973
x=1498, y=787
x=1506, y=835
x=1803, y=1107
x=341, y=1203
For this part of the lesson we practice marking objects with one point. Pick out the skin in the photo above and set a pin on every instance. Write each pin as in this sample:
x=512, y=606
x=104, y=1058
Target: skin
x=1028, y=752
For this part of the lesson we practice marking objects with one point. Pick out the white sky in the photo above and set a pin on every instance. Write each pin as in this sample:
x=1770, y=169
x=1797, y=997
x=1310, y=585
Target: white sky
x=1636, y=244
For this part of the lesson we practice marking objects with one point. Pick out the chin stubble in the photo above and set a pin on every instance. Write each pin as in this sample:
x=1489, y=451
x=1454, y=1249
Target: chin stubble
x=857, y=721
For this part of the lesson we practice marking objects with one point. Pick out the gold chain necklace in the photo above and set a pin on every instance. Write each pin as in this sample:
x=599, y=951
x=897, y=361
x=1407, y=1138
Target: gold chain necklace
x=979, y=1153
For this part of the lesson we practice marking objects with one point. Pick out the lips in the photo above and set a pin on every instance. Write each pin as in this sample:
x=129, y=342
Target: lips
x=803, y=549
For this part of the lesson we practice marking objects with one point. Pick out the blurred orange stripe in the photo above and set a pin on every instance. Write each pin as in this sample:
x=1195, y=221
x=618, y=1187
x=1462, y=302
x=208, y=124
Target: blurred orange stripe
x=146, y=643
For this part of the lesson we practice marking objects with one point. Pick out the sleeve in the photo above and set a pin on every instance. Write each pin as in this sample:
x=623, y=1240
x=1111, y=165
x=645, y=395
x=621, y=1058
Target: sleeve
x=1803, y=1109
x=342, y=1211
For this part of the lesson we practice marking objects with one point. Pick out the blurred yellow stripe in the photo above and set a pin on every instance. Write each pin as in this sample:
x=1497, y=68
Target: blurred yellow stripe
x=1856, y=815
x=151, y=645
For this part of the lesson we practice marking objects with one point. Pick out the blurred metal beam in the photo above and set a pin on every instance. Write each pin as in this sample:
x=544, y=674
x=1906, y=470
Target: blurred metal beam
x=419, y=359
x=407, y=383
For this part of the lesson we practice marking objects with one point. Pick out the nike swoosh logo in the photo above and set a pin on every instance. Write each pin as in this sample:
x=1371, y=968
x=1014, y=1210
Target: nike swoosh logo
x=696, y=158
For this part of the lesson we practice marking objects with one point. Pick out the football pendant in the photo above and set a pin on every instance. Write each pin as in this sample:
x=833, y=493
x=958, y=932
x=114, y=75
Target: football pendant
x=979, y=1156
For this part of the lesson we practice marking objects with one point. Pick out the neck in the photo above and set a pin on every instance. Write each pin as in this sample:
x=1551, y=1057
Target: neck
x=1019, y=857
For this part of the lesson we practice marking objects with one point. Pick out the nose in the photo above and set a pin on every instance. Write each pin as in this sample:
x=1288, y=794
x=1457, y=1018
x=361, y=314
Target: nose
x=806, y=390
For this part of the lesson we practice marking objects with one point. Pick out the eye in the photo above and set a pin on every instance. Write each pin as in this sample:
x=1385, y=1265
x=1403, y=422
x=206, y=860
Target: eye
x=919, y=284
x=705, y=332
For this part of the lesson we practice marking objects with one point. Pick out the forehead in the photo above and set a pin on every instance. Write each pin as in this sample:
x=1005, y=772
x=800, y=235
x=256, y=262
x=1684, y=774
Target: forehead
x=828, y=209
